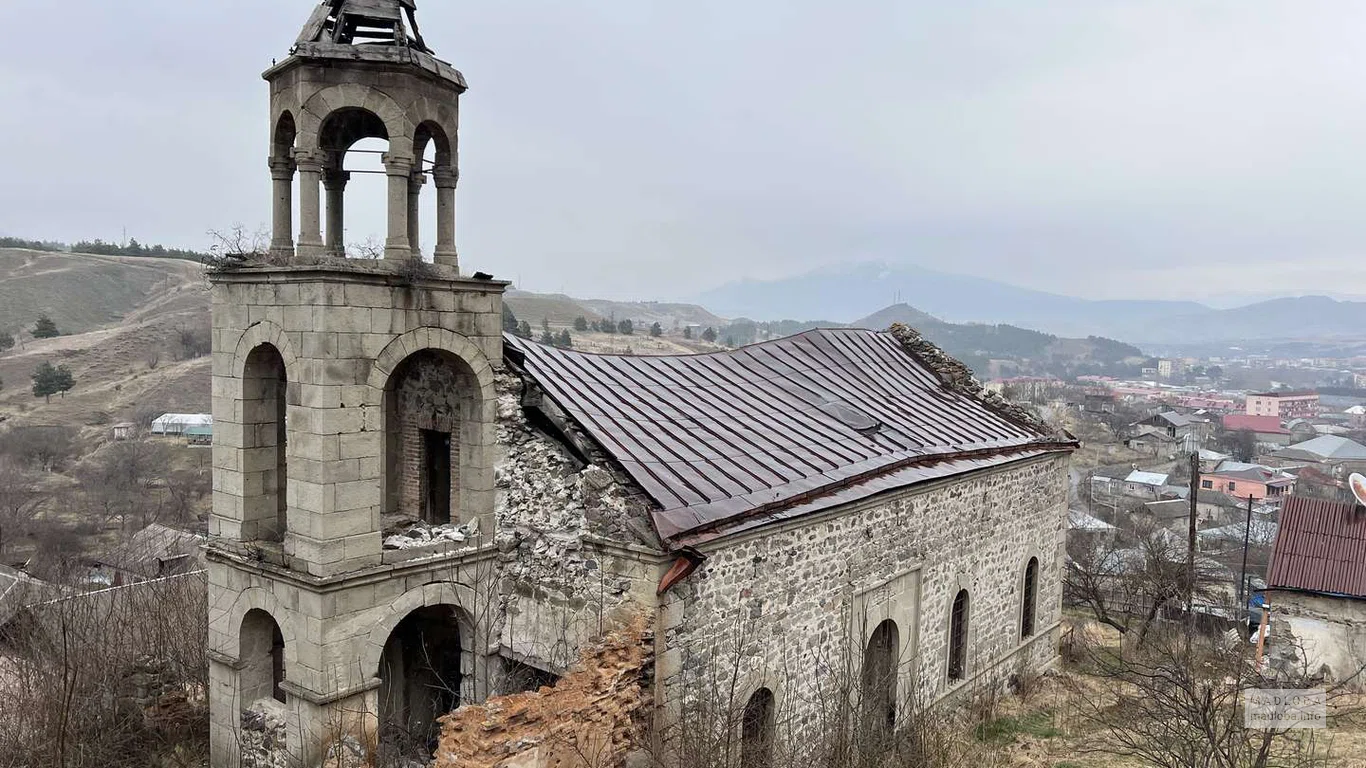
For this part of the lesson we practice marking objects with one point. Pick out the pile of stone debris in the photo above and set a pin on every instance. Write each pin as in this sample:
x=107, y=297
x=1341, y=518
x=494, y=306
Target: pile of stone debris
x=263, y=736
x=423, y=534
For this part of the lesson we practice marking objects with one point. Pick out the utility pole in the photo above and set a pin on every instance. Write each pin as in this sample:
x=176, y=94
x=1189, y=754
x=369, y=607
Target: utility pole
x=1190, y=543
x=1242, y=579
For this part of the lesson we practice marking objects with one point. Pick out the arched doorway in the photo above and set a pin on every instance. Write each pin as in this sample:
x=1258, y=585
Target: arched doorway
x=421, y=670
x=261, y=651
x=264, y=438
x=756, y=731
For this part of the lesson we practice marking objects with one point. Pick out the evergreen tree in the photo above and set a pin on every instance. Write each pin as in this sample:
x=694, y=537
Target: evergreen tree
x=626, y=328
x=6, y=343
x=524, y=329
x=709, y=334
x=608, y=326
x=547, y=338
x=44, y=328
x=687, y=333
x=48, y=381
x=580, y=323
x=545, y=325
x=656, y=330
x=564, y=340
x=509, y=320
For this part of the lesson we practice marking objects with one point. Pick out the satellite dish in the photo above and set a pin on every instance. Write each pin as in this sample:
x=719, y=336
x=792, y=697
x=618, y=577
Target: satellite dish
x=1357, y=483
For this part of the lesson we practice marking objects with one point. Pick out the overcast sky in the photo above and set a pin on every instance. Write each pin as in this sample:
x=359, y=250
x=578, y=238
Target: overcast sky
x=1176, y=149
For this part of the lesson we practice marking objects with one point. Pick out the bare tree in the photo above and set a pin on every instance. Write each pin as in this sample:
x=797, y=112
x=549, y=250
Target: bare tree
x=237, y=245
x=47, y=448
x=20, y=500
x=370, y=249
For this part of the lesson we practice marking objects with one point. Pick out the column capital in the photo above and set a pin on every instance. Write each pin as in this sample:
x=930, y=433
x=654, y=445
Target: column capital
x=335, y=178
x=308, y=161
x=416, y=182
x=446, y=178
x=282, y=168
x=397, y=165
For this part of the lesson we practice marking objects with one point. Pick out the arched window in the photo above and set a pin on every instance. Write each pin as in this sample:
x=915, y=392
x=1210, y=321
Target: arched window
x=756, y=731
x=879, y=677
x=262, y=651
x=958, y=637
x=1031, y=598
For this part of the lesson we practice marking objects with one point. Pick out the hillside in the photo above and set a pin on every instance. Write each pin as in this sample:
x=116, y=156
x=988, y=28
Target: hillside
x=81, y=292
x=561, y=311
x=124, y=319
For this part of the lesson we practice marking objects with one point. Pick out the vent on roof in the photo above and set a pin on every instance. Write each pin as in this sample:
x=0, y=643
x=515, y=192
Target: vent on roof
x=851, y=417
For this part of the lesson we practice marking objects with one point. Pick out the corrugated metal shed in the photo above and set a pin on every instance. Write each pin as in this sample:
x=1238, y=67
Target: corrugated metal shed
x=1321, y=547
x=768, y=428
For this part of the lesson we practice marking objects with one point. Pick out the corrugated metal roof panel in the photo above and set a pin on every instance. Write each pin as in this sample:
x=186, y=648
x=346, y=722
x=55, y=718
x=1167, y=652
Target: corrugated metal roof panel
x=1320, y=547
x=713, y=436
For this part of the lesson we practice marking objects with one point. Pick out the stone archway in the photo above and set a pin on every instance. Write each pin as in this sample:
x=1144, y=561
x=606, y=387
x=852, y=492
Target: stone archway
x=422, y=673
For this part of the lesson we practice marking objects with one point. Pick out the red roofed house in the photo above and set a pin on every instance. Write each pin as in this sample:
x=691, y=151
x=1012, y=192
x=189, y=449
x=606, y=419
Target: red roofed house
x=1316, y=586
x=1267, y=429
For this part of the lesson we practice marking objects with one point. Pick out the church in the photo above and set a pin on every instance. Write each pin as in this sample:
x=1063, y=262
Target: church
x=413, y=511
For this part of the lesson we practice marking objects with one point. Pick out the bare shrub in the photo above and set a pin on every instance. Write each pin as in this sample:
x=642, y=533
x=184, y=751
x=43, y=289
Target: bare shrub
x=45, y=448
x=110, y=679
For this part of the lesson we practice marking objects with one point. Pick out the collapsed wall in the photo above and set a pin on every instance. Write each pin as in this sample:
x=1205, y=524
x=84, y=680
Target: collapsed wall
x=573, y=538
x=597, y=714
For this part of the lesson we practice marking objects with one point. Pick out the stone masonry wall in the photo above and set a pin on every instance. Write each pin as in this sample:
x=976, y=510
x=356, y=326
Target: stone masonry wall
x=787, y=599
x=570, y=566
x=430, y=395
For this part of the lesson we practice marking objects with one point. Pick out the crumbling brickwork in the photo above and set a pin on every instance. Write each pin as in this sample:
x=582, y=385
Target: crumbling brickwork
x=789, y=600
x=429, y=396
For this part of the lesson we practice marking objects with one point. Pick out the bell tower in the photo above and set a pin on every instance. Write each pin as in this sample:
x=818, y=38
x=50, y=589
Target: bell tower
x=352, y=398
x=361, y=70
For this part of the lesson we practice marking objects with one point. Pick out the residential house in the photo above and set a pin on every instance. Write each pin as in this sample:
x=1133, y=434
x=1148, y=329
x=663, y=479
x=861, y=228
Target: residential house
x=1210, y=459
x=1326, y=449
x=1283, y=405
x=1211, y=509
x=122, y=431
x=154, y=552
x=1241, y=480
x=1099, y=402
x=198, y=436
x=1266, y=429
x=1156, y=444
x=1144, y=485
x=1356, y=416
x=1316, y=589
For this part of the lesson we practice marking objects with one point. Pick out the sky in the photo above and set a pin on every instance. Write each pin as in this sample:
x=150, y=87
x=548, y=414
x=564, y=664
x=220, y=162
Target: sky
x=645, y=150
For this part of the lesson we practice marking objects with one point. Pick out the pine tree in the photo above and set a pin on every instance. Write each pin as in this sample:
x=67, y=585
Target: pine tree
x=44, y=328
x=509, y=320
x=564, y=340
x=687, y=333
x=48, y=381
x=524, y=329
x=709, y=335
x=547, y=338
x=656, y=330
x=581, y=324
x=626, y=328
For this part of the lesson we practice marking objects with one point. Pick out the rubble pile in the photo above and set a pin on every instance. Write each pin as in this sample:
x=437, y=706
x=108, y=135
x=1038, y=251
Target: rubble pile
x=263, y=736
x=598, y=709
x=424, y=534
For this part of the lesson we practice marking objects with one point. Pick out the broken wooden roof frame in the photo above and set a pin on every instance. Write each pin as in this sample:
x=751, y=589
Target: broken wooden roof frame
x=364, y=22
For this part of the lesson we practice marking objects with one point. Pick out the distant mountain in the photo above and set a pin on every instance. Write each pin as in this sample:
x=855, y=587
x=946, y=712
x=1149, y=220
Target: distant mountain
x=561, y=310
x=852, y=291
x=897, y=313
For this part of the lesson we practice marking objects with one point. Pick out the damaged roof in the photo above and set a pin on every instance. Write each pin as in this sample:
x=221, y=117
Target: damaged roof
x=798, y=424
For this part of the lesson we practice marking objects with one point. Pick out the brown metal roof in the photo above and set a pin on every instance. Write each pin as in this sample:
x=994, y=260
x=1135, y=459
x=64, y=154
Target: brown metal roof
x=1321, y=547
x=718, y=437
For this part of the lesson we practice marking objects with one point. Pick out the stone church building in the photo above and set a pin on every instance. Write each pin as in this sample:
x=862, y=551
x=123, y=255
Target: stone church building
x=413, y=511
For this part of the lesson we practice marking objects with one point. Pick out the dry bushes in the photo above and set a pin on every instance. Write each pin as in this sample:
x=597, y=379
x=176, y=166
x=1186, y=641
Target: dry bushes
x=110, y=679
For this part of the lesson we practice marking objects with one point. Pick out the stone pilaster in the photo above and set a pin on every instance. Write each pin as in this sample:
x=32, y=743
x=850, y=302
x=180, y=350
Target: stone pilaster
x=446, y=180
x=400, y=171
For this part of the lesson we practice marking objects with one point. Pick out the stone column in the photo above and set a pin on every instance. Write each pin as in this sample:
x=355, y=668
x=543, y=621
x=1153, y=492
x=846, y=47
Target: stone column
x=446, y=180
x=282, y=224
x=400, y=170
x=334, y=181
x=415, y=184
x=310, y=204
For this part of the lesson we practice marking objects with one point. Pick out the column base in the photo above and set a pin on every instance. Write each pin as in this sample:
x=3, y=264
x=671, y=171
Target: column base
x=281, y=253
x=399, y=252
x=309, y=250
x=448, y=258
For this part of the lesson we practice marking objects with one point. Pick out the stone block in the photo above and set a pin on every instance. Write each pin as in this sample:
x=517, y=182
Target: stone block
x=357, y=495
x=360, y=445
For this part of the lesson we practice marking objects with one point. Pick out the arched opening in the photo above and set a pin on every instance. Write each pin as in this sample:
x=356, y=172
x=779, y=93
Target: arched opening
x=756, y=731
x=282, y=169
x=879, y=678
x=421, y=671
x=958, y=637
x=264, y=443
x=262, y=656
x=1029, y=604
x=432, y=216
x=353, y=142
x=430, y=422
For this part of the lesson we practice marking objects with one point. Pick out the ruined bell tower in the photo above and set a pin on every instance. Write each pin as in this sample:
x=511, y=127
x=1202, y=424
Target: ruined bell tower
x=352, y=397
